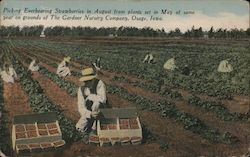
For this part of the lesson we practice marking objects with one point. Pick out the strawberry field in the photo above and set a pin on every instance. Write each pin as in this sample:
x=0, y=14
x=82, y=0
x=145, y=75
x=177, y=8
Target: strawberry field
x=206, y=113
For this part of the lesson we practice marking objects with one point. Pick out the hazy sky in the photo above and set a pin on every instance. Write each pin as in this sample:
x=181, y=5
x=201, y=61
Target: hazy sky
x=218, y=13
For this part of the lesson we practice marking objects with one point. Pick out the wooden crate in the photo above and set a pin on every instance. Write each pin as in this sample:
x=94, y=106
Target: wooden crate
x=36, y=133
x=120, y=123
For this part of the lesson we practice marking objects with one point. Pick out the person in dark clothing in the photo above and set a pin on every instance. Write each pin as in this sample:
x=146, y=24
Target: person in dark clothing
x=97, y=64
x=186, y=70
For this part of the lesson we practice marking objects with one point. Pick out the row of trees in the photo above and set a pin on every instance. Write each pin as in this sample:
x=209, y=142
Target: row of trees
x=212, y=33
x=17, y=31
x=122, y=31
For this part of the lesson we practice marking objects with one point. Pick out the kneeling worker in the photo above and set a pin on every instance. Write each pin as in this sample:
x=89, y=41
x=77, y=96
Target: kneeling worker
x=186, y=70
x=149, y=58
x=34, y=65
x=8, y=74
x=63, y=69
x=91, y=96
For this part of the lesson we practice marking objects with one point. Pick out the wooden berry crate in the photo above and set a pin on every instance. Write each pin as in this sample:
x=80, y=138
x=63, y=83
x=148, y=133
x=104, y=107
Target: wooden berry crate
x=119, y=123
x=36, y=133
x=38, y=147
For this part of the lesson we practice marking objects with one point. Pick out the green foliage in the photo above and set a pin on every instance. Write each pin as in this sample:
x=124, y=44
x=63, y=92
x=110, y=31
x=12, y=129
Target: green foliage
x=121, y=31
x=70, y=87
x=153, y=86
x=216, y=107
x=203, y=61
x=168, y=109
x=5, y=144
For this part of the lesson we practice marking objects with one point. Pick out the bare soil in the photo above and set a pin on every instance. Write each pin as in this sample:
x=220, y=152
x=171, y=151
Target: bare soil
x=16, y=103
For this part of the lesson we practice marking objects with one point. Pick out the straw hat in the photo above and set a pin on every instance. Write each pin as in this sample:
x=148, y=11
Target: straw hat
x=88, y=74
x=66, y=59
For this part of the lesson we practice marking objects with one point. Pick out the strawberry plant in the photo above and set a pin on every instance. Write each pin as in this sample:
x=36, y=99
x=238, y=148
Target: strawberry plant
x=168, y=109
x=216, y=107
x=4, y=133
x=153, y=86
x=70, y=87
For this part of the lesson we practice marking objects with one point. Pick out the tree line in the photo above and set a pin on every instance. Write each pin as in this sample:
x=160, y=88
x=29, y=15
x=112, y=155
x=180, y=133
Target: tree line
x=29, y=31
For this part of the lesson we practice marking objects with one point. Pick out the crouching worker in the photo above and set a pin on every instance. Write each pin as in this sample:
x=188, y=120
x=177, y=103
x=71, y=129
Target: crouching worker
x=186, y=70
x=63, y=69
x=34, y=65
x=8, y=74
x=91, y=97
x=169, y=65
x=149, y=59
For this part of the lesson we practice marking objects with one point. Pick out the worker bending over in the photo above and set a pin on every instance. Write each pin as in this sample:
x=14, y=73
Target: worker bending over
x=8, y=74
x=63, y=69
x=149, y=58
x=34, y=65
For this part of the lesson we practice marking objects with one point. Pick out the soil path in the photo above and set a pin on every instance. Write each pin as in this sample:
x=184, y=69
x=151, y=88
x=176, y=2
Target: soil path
x=16, y=103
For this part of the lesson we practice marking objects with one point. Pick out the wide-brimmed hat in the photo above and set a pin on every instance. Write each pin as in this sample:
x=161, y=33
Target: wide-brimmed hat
x=66, y=59
x=88, y=74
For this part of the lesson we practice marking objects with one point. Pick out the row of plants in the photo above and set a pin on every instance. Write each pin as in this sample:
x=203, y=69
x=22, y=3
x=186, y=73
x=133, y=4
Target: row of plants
x=216, y=107
x=204, y=79
x=4, y=133
x=149, y=136
x=153, y=86
x=4, y=144
x=169, y=110
x=67, y=85
x=5, y=141
x=40, y=103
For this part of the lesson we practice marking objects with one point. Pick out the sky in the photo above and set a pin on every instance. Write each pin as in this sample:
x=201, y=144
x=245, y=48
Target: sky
x=226, y=14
